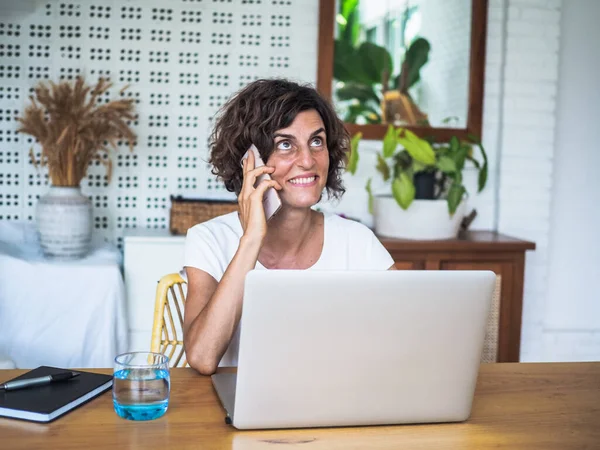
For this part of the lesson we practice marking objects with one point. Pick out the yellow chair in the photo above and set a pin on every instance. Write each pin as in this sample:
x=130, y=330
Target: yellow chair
x=167, y=330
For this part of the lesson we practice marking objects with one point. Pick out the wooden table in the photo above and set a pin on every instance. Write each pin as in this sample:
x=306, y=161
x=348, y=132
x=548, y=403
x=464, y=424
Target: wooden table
x=516, y=406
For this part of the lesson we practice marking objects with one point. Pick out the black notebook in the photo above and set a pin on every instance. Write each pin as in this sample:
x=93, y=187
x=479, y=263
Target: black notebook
x=47, y=402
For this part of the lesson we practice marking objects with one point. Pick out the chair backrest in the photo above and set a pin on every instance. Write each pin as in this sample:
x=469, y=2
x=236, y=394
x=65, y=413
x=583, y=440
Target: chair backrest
x=167, y=329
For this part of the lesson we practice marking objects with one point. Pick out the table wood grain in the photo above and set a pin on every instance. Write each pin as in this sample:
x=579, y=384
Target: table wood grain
x=516, y=405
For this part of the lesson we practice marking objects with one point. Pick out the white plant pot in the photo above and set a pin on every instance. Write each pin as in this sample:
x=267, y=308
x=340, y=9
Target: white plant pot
x=423, y=220
x=64, y=222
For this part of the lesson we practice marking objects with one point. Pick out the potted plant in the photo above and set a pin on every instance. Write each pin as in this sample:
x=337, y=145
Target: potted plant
x=427, y=197
x=73, y=129
x=363, y=70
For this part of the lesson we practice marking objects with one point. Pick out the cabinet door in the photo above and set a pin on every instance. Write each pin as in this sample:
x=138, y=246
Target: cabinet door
x=145, y=262
x=497, y=336
x=409, y=265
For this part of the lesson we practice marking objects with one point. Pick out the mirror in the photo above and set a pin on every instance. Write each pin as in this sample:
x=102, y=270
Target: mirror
x=418, y=64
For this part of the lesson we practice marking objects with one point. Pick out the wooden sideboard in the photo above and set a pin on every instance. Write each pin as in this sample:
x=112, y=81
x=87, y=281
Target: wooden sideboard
x=476, y=250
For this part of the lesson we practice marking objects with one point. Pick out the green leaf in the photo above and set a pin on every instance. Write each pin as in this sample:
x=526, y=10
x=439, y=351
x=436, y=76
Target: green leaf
x=455, y=196
x=361, y=110
x=382, y=167
x=474, y=161
x=458, y=177
x=372, y=116
x=352, y=29
x=416, y=57
x=483, y=172
x=348, y=21
x=417, y=166
x=450, y=119
x=347, y=7
x=347, y=65
x=361, y=92
x=418, y=148
x=343, y=61
x=389, y=142
x=459, y=157
x=368, y=189
x=403, y=190
x=374, y=60
x=402, y=161
x=442, y=150
x=446, y=164
x=353, y=159
x=454, y=144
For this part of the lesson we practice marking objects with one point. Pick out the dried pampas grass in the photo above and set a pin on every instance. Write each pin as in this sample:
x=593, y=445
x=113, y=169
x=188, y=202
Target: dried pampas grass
x=73, y=130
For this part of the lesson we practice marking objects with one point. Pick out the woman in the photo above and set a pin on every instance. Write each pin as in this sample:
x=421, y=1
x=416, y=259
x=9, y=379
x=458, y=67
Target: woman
x=304, y=145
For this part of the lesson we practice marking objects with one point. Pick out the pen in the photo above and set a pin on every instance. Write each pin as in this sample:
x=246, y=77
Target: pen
x=39, y=381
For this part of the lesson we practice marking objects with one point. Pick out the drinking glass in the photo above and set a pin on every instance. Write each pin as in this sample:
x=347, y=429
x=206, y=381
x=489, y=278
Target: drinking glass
x=141, y=385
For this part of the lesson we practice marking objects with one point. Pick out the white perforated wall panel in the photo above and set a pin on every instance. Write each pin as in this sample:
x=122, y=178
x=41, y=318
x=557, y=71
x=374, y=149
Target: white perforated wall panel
x=182, y=59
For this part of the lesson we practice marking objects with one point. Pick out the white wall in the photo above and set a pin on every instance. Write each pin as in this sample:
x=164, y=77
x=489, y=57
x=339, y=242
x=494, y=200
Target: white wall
x=547, y=187
x=444, y=87
x=528, y=91
x=572, y=320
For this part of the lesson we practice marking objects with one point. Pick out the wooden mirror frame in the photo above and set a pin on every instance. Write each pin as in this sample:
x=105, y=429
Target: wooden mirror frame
x=476, y=76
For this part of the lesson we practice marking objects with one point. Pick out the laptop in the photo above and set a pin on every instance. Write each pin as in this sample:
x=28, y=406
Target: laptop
x=346, y=348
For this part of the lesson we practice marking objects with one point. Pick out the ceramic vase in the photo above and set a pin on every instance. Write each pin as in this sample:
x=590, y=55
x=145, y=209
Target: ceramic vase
x=64, y=223
x=423, y=220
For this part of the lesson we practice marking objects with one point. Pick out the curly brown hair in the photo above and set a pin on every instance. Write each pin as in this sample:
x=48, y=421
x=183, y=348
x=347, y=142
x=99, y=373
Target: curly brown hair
x=256, y=112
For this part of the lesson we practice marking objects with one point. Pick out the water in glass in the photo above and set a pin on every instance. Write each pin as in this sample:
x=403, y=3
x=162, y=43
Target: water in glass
x=141, y=385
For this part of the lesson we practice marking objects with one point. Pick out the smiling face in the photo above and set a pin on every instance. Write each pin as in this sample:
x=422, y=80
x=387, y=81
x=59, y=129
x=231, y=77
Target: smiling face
x=301, y=160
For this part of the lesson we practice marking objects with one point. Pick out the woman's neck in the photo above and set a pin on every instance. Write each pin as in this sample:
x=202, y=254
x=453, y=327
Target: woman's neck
x=289, y=231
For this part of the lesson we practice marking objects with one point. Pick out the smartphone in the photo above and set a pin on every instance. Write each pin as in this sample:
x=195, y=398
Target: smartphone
x=271, y=200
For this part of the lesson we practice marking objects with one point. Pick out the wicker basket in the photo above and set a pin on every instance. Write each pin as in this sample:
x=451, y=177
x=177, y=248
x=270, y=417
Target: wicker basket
x=185, y=213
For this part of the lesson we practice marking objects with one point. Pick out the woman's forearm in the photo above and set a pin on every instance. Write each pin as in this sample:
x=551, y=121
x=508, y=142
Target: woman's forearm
x=208, y=336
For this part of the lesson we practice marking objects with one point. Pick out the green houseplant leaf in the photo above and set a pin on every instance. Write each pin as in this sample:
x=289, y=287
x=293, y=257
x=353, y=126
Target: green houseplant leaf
x=370, y=193
x=403, y=190
x=460, y=155
x=446, y=164
x=346, y=7
x=483, y=172
x=349, y=21
x=455, y=196
x=375, y=60
x=353, y=158
x=361, y=110
x=418, y=148
x=389, y=142
x=469, y=156
x=347, y=65
x=361, y=92
x=382, y=167
x=416, y=57
x=454, y=144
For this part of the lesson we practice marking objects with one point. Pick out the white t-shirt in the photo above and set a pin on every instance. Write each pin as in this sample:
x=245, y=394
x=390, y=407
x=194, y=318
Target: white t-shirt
x=348, y=245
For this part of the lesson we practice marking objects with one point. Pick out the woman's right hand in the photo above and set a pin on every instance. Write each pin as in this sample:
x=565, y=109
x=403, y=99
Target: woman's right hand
x=250, y=200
